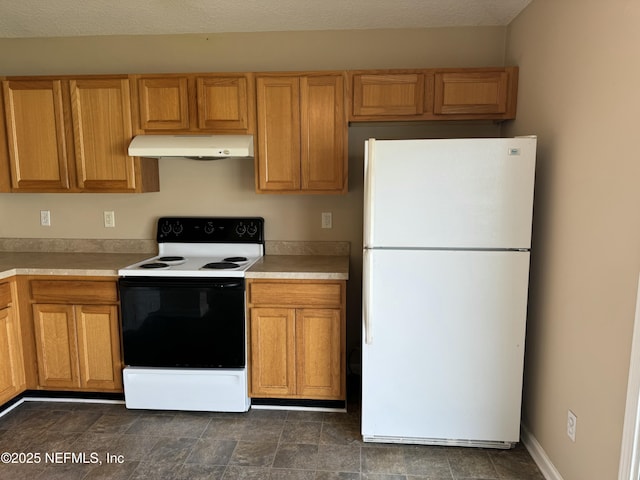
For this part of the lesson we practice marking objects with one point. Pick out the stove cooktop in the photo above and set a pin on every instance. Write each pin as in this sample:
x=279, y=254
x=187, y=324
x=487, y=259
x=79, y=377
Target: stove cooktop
x=203, y=247
x=196, y=266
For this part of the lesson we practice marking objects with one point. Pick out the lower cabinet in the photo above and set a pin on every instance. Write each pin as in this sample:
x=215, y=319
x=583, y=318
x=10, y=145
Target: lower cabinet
x=77, y=335
x=12, y=379
x=297, y=339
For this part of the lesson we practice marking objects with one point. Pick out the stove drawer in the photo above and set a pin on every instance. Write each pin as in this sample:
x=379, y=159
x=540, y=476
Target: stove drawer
x=312, y=293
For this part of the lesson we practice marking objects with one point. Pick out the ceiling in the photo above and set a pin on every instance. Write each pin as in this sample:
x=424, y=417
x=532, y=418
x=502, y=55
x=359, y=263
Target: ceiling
x=66, y=18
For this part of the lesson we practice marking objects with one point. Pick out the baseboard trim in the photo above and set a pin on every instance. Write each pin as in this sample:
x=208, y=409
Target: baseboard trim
x=538, y=455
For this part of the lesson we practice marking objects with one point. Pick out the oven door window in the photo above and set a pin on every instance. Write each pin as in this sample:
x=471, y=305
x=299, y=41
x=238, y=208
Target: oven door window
x=189, y=323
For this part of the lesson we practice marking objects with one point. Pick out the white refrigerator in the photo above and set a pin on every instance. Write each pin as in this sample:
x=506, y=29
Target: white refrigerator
x=447, y=234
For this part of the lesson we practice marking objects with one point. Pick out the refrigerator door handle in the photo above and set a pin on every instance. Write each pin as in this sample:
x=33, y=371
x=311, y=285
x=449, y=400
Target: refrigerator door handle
x=369, y=167
x=366, y=296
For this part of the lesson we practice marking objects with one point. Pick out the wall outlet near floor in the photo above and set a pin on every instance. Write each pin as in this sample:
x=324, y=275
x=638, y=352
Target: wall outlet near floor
x=327, y=220
x=109, y=219
x=572, y=421
x=45, y=218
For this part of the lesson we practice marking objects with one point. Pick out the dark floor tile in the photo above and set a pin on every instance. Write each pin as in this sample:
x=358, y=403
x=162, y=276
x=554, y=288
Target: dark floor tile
x=388, y=460
x=304, y=416
x=237, y=472
x=18, y=440
x=156, y=470
x=286, y=474
x=50, y=441
x=225, y=428
x=471, y=463
x=64, y=472
x=211, y=451
x=296, y=456
x=112, y=471
x=75, y=421
x=339, y=458
x=384, y=476
x=253, y=454
x=196, y=471
x=260, y=444
x=341, y=434
x=21, y=471
x=320, y=475
x=350, y=416
x=187, y=425
x=110, y=423
x=157, y=425
x=515, y=464
x=267, y=430
x=171, y=450
x=35, y=420
x=427, y=461
x=301, y=432
x=134, y=447
x=89, y=442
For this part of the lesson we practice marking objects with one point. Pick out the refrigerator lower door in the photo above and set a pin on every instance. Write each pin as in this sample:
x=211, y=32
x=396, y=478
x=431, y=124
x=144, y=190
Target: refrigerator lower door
x=443, y=346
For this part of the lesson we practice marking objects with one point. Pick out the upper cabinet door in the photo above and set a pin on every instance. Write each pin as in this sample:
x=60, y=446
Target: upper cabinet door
x=323, y=133
x=163, y=103
x=35, y=124
x=102, y=129
x=224, y=103
x=278, y=167
x=476, y=93
x=388, y=94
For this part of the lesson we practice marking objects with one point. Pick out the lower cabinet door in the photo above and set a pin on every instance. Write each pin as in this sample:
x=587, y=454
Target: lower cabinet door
x=273, y=369
x=319, y=353
x=56, y=346
x=78, y=347
x=11, y=367
x=98, y=347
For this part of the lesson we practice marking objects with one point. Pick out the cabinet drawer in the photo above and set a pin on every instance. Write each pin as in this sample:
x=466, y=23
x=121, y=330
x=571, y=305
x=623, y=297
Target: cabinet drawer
x=296, y=294
x=74, y=291
x=5, y=295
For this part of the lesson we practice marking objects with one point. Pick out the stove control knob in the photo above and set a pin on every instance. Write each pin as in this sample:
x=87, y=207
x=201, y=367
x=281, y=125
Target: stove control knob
x=165, y=228
x=178, y=228
x=241, y=229
x=209, y=228
x=252, y=229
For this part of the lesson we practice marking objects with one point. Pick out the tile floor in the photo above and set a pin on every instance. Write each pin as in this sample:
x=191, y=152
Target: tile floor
x=261, y=444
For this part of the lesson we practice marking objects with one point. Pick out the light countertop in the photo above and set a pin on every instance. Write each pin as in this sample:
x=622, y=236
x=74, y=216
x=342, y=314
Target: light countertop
x=59, y=263
x=312, y=267
x=317, y=267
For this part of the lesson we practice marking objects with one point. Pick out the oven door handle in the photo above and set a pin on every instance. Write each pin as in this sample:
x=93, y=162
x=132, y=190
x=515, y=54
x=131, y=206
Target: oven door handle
x=227, y=285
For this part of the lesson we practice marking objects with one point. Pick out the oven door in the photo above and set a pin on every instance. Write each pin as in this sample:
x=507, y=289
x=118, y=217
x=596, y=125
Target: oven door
x=183, y=322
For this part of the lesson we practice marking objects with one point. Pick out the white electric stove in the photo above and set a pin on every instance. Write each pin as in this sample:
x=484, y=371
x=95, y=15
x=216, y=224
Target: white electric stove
x=183, y=315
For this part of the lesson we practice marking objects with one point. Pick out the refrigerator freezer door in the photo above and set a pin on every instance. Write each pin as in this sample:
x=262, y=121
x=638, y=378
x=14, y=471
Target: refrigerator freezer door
x=443, y=347
x=458, y=193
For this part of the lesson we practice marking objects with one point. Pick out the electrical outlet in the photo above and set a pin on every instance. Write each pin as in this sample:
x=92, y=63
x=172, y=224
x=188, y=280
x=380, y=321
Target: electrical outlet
x=572, y=422
x=45, y=218
x=109, y=219
x=327, y=220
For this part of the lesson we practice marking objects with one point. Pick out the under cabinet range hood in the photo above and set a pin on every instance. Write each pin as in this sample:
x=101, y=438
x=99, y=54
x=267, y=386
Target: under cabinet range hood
x=199, y=147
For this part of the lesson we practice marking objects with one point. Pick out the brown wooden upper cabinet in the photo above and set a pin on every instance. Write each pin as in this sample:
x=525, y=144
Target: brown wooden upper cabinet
x=389, y=94
x=434, y=94
x=214, y=103
x=71, y=135
x=302, y=133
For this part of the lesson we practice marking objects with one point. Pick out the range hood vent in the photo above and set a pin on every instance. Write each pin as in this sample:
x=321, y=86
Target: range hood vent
x=199, y=147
